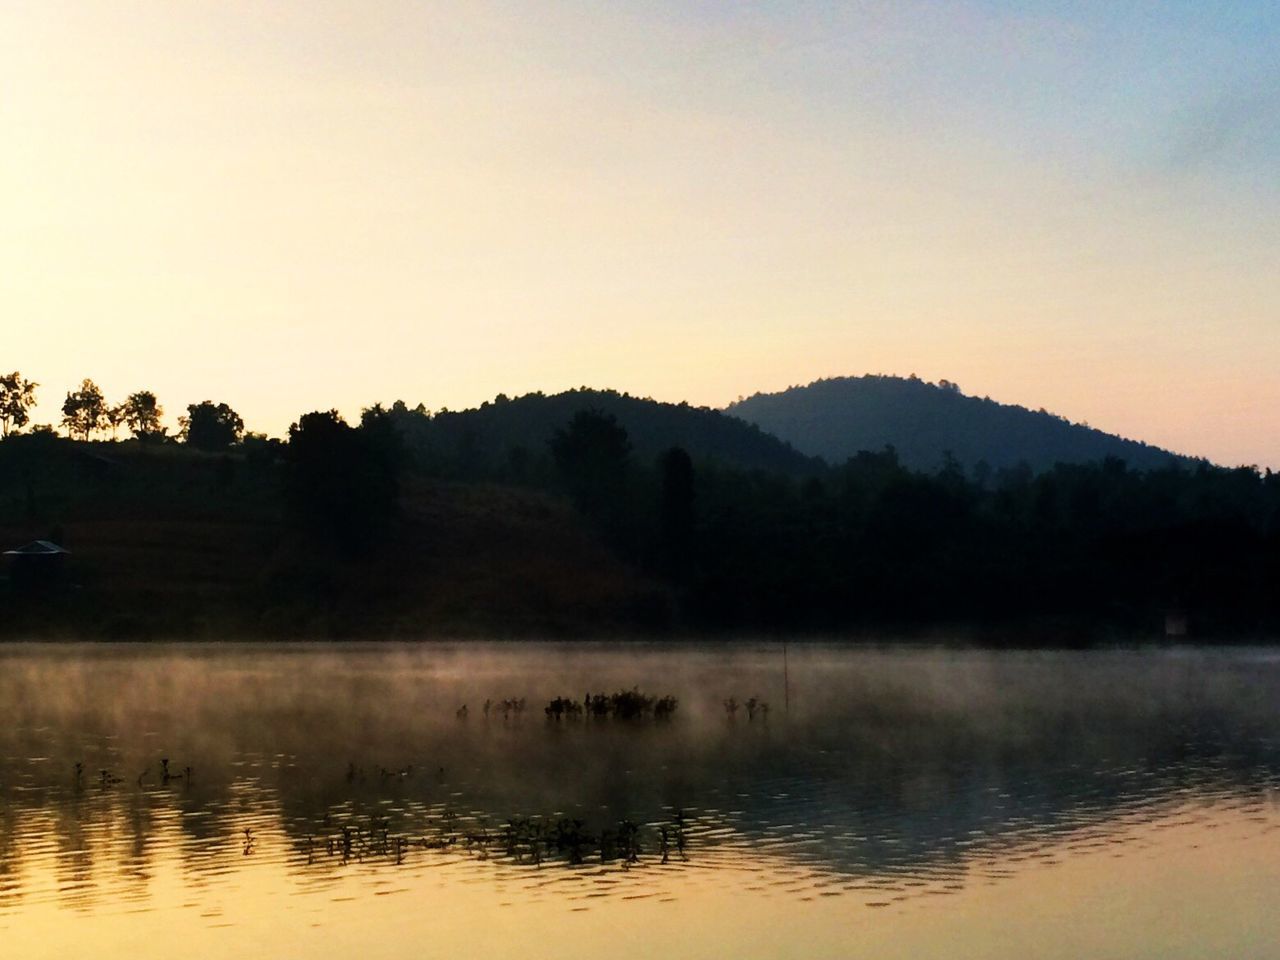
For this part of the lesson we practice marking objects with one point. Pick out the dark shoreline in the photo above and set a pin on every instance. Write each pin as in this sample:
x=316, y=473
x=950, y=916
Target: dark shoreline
x=972, y=638
x=161, y=541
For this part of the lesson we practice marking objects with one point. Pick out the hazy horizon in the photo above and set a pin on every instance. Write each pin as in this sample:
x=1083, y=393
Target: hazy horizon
x=291, y=206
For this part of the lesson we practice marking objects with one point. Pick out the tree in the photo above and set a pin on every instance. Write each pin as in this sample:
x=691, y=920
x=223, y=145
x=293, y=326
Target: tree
x=17, y=397
x=115, y=419
x=210, y=426
x=677, y=509
x=85, y=410
x=382, y=439
x=592, y=454
x=344, y=480
x=142, y=414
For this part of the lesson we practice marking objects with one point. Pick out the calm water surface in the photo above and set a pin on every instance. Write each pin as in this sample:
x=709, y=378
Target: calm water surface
x=892, y=803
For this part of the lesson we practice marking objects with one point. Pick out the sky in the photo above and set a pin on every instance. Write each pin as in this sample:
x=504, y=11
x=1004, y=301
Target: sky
x=290, y=206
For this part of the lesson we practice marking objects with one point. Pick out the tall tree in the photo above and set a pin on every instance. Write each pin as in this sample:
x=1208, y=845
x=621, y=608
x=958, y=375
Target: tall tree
x=115, y=419
x=17, y=397
x=85, y=410
x=343, y=480
x=210, y=426
x=592, y=454
x=676, y=509
x=142, y=414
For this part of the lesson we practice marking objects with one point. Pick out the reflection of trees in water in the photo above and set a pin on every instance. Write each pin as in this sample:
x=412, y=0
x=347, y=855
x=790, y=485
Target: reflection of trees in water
x=76, y=855
x=133, y=873
x=11, y=859
x=887, y=768
x=923, y=802
x=872, y=818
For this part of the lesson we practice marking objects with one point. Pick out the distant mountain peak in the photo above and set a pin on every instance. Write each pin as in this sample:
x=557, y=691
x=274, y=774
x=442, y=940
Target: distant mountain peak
x=836, y=417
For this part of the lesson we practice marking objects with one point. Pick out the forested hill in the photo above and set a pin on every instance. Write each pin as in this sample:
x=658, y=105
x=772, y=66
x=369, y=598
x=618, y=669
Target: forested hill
x=836, y=418
x=509, y=437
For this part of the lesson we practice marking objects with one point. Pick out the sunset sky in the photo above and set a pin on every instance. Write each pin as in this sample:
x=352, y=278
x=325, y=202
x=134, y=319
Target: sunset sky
x=298, y=205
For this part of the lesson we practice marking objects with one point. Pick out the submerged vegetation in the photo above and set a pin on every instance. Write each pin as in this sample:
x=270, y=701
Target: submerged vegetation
x=521, y=839
x=596, y=512
x=623, y=705
x=345, y=763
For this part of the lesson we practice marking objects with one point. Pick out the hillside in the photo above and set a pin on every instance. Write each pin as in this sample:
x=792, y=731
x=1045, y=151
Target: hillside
x=836, y=418
x=338, y=534
x=510, y=436
x=167, y=542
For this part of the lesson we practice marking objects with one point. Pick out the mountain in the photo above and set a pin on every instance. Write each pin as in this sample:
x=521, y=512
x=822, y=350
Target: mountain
x=507, y=433
x=836, y=418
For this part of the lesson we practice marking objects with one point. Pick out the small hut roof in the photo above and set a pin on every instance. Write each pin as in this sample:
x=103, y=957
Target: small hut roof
x=37, y=548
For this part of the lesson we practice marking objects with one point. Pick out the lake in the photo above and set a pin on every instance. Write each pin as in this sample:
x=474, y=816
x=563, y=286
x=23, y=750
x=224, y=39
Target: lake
x=340, y=800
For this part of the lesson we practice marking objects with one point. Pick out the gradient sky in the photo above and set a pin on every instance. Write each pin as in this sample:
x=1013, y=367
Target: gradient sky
x=290, y=206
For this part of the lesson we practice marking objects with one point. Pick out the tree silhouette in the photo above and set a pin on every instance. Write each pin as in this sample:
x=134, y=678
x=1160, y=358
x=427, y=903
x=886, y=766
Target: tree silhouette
x=677, y=514
x=210, y=426
x=142, y=414
x=592, y=454
x=85, y=410
x=384, y=451
x=115, y=419
x=341, y=479
x=17, y=397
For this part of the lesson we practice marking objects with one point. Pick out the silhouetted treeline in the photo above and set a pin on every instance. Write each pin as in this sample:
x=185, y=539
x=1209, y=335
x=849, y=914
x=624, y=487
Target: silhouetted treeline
x=872, y=541
x=343, y=481
x=357, y=524
x=508, y=439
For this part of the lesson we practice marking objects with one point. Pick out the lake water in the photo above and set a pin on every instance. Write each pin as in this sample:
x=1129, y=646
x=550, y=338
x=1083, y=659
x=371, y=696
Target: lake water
x=891, y=803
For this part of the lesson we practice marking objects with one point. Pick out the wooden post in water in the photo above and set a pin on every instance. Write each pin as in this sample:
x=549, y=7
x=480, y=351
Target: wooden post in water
x=786, y=680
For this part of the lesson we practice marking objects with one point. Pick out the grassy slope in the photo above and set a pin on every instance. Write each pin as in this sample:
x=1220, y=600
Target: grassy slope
x=170, y=543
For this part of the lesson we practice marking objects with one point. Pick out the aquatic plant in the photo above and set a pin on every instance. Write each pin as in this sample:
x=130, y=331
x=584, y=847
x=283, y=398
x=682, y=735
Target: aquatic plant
x=563, y=707
x=508, y=706
x=570, y=837
x=629, y=704
x=628, y=840
x=623, y=705
x=523, y=839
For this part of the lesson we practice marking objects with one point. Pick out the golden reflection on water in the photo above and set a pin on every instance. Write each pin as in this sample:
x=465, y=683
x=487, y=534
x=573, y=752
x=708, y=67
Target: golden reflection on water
x=912, y=803
x=1199, y=878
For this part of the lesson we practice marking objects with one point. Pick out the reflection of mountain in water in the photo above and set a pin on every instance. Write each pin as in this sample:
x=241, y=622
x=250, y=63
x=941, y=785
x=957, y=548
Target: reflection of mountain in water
x=912, y=818
x=890, y=767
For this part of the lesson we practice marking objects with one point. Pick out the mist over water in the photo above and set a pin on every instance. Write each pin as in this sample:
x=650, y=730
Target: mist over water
x=882, y=788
